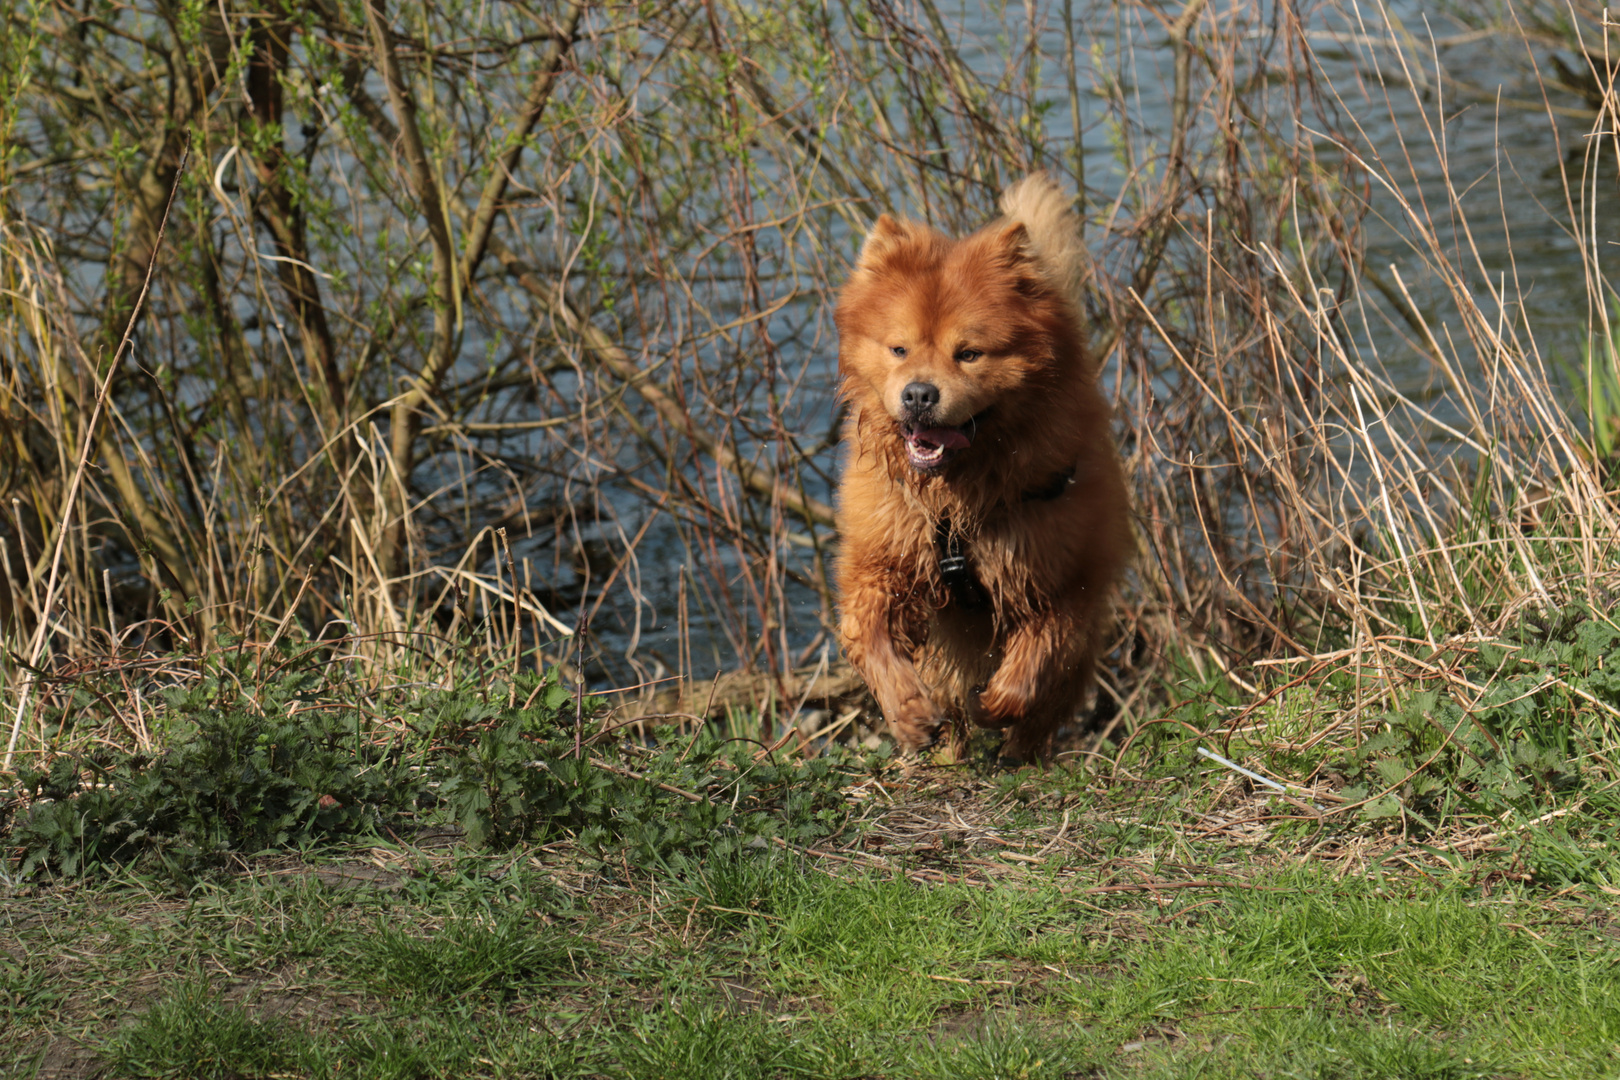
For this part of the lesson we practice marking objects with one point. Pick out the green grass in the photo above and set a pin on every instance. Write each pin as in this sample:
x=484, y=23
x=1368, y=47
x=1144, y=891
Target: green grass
x=685, y=910
x=468, y=957
x=768, y=965
x=1346, y=978
x=191, y=1033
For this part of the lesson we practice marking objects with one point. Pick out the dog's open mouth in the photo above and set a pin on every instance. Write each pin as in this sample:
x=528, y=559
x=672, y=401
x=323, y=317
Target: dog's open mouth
x=927, y=447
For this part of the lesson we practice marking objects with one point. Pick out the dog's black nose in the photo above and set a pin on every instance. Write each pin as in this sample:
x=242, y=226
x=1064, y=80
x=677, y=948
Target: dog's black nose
x=919, y=397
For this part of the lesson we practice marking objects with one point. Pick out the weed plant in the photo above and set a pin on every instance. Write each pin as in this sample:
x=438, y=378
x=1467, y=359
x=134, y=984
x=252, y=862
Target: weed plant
x=284, y=772
x=230, y=780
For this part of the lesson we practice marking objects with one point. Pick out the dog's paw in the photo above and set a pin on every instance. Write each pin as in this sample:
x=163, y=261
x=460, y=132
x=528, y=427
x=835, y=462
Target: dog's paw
x=1015, y=754
x=1025, y=744
x=916, y=724
x=1012, y=760
x=973, y=710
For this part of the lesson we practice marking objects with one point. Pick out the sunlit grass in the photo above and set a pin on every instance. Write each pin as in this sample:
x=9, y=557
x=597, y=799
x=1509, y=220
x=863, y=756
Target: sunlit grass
x=767, y=965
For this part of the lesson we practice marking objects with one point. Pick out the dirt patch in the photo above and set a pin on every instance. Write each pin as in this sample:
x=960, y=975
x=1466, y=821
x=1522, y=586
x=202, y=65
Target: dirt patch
x=743, y=995
x=56, y=1057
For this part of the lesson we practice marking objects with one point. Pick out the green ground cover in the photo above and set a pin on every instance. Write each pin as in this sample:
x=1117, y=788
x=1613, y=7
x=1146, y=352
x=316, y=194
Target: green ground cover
x=399, y=961
x=506, y=891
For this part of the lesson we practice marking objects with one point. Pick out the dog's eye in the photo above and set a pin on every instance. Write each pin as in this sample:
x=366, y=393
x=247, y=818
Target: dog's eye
x=898, y=350
x=965, y=355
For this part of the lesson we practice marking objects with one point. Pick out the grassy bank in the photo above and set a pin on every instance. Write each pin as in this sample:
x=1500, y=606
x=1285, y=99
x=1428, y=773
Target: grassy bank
x=1208, y=935
x=499, y=880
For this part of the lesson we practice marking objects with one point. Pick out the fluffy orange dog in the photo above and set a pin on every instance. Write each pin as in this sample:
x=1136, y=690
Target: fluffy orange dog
x=982, y=511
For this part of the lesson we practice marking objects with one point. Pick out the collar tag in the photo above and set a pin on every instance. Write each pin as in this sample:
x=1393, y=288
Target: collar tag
x=955, y=572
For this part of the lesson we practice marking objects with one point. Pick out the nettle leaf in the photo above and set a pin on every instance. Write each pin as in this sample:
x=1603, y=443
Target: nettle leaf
x=1605, y=684
x=556, y=697
x=1596, y=640
x=1385, y=806
x=1381, y=743
x=1391, y=770
x=1416, y=710
x=1496, y=658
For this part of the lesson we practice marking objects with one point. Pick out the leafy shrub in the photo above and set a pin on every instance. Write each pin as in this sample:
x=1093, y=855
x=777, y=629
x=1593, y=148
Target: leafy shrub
x=231, y=780
x=515, y=775
x=292, y=771
x=508, y=775
x=745, y=804
x=1508, y=748
x=514, y=783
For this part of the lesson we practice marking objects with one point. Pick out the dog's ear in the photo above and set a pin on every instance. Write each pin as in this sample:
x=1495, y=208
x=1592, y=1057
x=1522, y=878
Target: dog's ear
x=1010, y=251
x=1009, y=246
x=887, y=237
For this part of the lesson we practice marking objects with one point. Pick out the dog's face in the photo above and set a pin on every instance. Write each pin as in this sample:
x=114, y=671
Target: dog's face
x=947, y=337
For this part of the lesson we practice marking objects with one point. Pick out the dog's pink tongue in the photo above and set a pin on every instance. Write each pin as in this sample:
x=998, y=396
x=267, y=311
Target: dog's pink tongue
x=949, y=438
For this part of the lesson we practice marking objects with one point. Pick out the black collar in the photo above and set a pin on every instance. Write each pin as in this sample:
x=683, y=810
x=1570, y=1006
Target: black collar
x=1052, y=488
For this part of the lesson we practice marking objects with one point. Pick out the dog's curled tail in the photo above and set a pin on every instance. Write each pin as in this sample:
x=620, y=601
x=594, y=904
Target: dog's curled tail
x=1047, y=213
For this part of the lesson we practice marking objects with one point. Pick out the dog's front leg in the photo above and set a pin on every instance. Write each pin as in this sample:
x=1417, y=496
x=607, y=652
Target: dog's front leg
x=881, y=628
x=1046, y=666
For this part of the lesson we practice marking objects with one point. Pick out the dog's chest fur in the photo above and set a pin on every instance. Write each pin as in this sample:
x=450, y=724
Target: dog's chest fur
x=979, y=558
